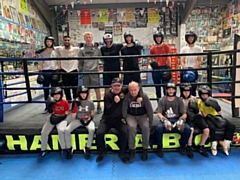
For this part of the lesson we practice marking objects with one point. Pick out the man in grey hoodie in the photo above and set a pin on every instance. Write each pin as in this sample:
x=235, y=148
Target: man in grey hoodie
x=137, y=114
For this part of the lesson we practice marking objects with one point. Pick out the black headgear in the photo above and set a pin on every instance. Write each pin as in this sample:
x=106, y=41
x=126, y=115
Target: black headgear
x=191, y=33
x=126, y=34
x=204, y=90
x=107, y=36
x=158, y=34
x=49, y=38
x=185, y=87
x=82, y=89
x=57, y=90
x=171, y=85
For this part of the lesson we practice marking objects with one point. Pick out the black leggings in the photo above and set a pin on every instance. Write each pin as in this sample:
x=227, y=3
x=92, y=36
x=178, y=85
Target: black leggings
x=104, y=128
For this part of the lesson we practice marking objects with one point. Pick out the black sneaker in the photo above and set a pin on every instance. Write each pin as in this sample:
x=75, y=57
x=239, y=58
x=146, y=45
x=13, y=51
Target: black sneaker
x=144, y=155
x=131, y=154
x=189, y=151
x=87, y=153
x=42, y=154
x=183, y=150
x=156, y=111
x=45, y=111
x=99, y=110
x=202, y=150
x=123, y=157
x=160, y=152
x=100, y=157
x=70, y=153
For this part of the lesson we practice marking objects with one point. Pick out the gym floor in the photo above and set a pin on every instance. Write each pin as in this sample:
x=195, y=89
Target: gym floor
x=172, y=166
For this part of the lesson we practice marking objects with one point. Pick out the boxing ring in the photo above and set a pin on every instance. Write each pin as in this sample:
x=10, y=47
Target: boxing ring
x=20, y=128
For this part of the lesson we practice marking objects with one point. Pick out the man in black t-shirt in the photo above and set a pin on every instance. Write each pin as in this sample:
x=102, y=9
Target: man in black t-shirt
x=110, y=64
x=130, y=64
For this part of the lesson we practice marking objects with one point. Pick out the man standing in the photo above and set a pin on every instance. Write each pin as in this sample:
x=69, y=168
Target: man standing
x=161, y=63
x=48, y=66
x=191, y=62
x=110, y=64
x=131, y=64
x=137, y=114
x=69, y=66
x=90, y=65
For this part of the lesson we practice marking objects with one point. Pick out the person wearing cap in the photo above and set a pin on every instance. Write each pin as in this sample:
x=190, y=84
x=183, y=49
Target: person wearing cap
x=48, y=66
x=110, y=64
x=159, y=63
x=112, y=118
x=137, y=114
x=131, y=64
x=90, y=65
x=191, y=62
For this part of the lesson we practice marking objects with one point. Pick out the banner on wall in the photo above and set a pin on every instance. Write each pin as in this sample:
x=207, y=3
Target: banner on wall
x=130, y=14
x=103, y=15
x=85, y=16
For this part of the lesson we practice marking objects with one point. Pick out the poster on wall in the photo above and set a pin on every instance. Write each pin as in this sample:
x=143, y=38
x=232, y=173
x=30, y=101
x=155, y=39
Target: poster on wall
x=109, y=28
x=112, y=15
x=85, y=16
x=121, y=14
x=117, y=28
x=6, y=12
x=21, y=18
x=101, y=26
x=95, y=15
x=153, y=16
x=141, y=16
x=1, y=14
x=103, y=15
x=14, y=14
x=23, y=6
x=130, y=14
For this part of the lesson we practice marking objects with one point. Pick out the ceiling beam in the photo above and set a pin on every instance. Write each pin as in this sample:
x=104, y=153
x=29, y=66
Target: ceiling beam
x=189, y=5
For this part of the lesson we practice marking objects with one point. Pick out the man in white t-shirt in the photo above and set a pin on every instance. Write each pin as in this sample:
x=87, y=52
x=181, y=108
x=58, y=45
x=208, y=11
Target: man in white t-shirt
x=69, y=66
x=191, y=62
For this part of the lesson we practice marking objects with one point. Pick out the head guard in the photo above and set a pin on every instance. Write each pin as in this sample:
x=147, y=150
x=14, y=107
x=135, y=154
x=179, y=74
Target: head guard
x=185, y=87
x=126, y=34
x=82, y=89
x=171, y=85
x=107, y=36
x=158, y=34
x=49, y=38
x=57, y=90
x=204, y=90
x=190, y=33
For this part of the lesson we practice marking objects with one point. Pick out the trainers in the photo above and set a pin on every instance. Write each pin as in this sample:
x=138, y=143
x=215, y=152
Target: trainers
x=160, y=152
x=64, y=153
x=144, y=155
x=156, y=111
x=45, y=111
x=189, y=151
x=224, y=147
x=42, y=154
x=131, y=154
x=99, y=110
x=183, y=150
x=123, y=157
x=100, y=157
x=87, y=153
x=214, y=148
x=70, y=153
x=202, y=150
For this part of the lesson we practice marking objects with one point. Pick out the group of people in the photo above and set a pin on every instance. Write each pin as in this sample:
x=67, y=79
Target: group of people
x=125, y=108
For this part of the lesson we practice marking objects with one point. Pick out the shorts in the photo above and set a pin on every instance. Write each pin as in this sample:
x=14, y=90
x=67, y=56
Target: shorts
x=198, y=122
x=91, y=80
x=107, y=78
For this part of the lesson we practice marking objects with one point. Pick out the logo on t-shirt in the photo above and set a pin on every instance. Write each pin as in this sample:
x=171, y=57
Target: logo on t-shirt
x=83, y=109
x=169, y=113
x=135, y=104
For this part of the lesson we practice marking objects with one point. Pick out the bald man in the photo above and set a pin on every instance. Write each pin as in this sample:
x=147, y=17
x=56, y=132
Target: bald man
x=137, y=114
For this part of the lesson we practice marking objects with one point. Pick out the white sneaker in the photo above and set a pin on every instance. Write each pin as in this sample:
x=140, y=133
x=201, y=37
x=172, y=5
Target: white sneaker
x=214, y=148
x=224, y=147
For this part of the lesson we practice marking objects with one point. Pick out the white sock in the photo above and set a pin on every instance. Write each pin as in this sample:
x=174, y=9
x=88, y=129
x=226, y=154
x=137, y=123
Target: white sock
x=227, y=143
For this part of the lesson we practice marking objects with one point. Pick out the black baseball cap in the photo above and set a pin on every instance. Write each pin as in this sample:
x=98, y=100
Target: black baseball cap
x=116, y=81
